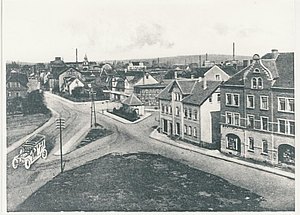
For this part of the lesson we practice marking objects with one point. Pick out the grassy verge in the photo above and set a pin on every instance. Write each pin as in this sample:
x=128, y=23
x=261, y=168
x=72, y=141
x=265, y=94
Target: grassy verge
x=139, y=182
x=94, y=134
x=20, y=126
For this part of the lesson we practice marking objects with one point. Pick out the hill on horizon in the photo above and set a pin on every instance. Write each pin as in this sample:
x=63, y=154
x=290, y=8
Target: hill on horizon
x=186, y=59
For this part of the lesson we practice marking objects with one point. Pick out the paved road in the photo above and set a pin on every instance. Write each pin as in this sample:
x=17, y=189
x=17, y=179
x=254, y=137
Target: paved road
x=278, y=191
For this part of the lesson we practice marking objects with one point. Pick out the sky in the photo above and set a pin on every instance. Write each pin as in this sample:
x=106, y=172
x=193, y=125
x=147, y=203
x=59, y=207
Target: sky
x=39, y=30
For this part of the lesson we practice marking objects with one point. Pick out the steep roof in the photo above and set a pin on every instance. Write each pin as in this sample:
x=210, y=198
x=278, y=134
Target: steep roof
x=281, y=67
x=185, y=85
x=18, y=77
x=285, y=69
x=196, y=95
x=132, y=100
x=199, y=94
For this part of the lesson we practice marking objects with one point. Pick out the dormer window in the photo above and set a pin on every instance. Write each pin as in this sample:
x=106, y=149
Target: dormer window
x=260, y=83
x=254, y=83
x=257, y=83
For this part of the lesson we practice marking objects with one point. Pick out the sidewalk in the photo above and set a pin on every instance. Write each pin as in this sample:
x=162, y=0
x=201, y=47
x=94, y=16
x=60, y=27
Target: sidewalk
x=122, y=120
x=217, y=154
x=18, y=143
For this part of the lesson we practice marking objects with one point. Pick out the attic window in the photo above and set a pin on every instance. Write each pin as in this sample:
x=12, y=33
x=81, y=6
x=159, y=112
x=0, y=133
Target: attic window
x=256, y=70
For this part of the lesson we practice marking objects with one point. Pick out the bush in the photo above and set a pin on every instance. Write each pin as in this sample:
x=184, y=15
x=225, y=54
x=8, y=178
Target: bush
x=126, y=113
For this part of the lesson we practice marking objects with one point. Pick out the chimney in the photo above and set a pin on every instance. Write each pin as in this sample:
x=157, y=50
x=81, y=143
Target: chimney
x=233, y=51
x=275, y=53
x=199, y=79
x=76, y=56
x=192, y=76
x=199, y=61
x=206, y=56
x=204, y=83
x=175, y=74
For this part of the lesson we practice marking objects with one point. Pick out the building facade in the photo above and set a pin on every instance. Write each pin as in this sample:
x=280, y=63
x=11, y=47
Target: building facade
x=257, y=110
x=187, y=111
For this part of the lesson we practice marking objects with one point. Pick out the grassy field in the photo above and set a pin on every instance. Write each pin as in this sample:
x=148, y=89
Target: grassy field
x=139, y=182
x=20, y=126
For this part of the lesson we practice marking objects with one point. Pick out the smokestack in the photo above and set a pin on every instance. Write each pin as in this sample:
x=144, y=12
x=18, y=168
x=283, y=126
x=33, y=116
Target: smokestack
x=206, y=56
x=233, y=54
x=76, y=56
x=158, y=61
x=199, y=61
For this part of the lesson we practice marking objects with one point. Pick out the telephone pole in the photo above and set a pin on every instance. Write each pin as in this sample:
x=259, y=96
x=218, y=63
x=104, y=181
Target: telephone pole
x=93, y=109
x=60, y=124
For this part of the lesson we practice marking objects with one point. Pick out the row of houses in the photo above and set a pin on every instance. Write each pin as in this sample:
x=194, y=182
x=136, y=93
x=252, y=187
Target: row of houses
x=248, y=114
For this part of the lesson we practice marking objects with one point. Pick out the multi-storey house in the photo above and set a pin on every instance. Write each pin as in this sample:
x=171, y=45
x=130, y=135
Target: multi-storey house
x=188, y=108
x=257, y=110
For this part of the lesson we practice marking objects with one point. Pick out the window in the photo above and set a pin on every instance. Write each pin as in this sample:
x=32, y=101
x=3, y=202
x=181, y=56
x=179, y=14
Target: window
x=195, y=114
x=232, y=99
x=265, y=147
x=170, y=110
x=286, y=104
x=190, y=113
x=177, y=111
x=256, y=70
x=190, y=131
x=217, y=77
x=162, y=108
x=17, y=94
x=254, y=83
x=177, y=97
x=282, y=126
x=195, y=132
x=218, y=97
x=250, y=101
x=210, y=99
x=251, y=143
x=229, y=119
x=9, y=94
x=292, y=127
x=185, y=113
x=233, y=142
x=264, y=123
x=260, y=83
x=228, y=99
x=250, y=121
x=236, y=100
x=286, y=126
x=237, y=119
x=185, y=129
x=264, y=104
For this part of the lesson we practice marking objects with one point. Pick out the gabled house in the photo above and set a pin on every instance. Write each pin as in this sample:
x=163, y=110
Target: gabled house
x=189, y=109
x=70, y=83
x=16, y=85
x=258, y=110
x=69, y=72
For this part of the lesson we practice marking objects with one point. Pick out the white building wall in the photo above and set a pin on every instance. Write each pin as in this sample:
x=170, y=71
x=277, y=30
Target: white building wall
x=75, y=83
x=210, y=75
x=205, y=117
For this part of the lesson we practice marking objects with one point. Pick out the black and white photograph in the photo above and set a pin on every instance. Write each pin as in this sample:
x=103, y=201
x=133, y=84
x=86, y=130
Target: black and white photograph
x=148, y=106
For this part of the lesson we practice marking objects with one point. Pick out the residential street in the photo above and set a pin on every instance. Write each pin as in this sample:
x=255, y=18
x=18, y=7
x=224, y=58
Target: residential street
x=278, y=191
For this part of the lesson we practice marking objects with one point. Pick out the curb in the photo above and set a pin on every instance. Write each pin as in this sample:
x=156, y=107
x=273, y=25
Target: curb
x=281, y=173
x=122, y=120
x=16, y=144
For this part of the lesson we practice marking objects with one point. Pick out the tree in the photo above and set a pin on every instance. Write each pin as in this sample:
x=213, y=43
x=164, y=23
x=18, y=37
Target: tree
x=77, y=92
x=34, y=103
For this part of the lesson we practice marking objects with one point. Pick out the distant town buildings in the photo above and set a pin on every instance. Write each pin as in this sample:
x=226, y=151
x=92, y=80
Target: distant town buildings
x=136, y=66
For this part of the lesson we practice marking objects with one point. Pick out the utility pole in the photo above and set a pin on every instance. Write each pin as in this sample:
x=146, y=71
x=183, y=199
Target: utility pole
x=60, y=124
x=93, y=109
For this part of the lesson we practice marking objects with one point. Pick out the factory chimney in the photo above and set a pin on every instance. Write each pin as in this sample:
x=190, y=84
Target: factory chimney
x=233, y=51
